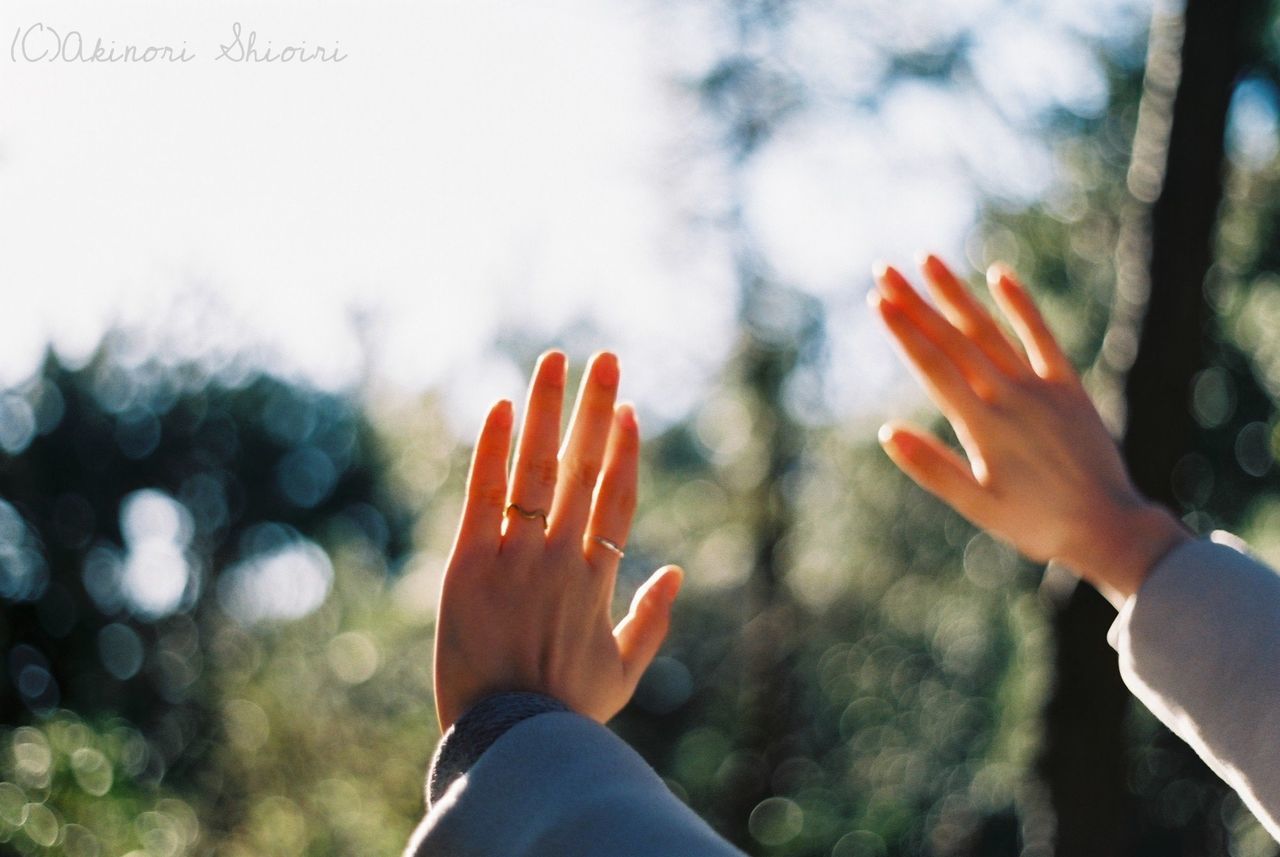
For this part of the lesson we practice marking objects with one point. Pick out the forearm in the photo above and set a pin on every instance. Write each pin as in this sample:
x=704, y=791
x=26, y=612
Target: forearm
x=477, y=730
x=561, y=785
x=1199, y=644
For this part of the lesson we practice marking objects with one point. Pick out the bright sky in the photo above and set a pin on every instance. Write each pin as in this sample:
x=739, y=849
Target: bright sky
x=476, y=166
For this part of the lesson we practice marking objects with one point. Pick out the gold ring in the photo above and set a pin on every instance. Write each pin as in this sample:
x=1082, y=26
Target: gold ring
x=609, y=544
x=531, y=515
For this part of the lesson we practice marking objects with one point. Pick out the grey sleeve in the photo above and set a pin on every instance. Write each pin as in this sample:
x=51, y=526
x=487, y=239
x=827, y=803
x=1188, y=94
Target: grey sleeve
x=562, y=785
x=1199, y=644
x=486, y=722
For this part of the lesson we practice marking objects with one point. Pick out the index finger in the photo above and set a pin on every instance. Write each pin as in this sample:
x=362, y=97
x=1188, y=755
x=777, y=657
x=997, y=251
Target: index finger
x=942, y=379
x=960, y=350
x=481, y=525
x=615, y=502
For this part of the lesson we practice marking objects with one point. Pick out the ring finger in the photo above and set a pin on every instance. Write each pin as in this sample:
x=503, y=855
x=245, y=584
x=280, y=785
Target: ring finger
x=615, y=502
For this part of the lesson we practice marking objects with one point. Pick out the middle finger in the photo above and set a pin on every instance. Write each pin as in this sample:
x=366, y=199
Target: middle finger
x=971, y=317
x=583, y=452
x=533, y=478
x=981, y=374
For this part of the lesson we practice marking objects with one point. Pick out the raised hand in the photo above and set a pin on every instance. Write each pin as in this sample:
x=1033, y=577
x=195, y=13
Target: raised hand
x=1041, y=473
x=525, y=603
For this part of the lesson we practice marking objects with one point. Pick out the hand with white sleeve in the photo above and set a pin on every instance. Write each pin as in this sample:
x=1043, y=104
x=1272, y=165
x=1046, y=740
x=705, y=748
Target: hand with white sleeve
x=1040, y=470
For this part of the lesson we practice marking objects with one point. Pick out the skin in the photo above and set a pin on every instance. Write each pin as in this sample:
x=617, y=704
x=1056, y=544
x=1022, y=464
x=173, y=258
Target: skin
x=523, y=608
x=1039, y=469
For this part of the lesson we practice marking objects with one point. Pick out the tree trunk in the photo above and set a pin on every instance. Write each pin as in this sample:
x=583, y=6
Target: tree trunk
x=767, y=718
x=1161, y=325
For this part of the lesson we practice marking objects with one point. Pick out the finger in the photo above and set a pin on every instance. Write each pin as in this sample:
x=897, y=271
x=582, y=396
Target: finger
x=971, y=317
x=967, y=357
x=1047, y=357
x=615, y=502
x=641, y=632
x=583, y=451
x=945, y=384
x=935, y=468
x=481, y=525
x=533, y=478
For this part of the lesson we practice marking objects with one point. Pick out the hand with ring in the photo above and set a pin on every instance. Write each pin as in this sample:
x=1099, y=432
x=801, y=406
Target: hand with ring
x=528, y=588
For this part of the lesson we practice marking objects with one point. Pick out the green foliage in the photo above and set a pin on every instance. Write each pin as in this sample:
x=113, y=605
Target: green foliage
x=917, y=670
x=321, y=734
x=326, y=726
x=160, y=527
x=74, y=787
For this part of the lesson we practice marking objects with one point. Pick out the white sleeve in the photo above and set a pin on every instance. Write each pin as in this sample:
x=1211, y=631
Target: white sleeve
x=1199, y=644
x=562, y=785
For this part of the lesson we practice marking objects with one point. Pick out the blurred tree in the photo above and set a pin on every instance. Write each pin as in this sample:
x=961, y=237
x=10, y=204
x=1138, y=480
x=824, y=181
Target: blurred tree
x=780, y=334
x=131, y=493
x=1161, y=323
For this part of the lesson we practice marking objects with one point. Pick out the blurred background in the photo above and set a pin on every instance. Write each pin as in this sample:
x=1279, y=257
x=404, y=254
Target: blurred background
x=253, y=314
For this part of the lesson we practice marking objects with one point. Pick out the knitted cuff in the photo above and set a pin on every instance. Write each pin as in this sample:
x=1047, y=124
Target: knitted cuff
x=486, y=722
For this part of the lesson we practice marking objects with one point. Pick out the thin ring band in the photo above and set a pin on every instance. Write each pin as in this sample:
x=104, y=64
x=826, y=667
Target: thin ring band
x=528, y=514
x=610, y=545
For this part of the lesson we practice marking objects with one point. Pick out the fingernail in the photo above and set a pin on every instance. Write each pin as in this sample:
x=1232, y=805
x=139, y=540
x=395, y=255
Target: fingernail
x=879, y=269
x=552, y=360
x=893, y=284
x=671, y=585
x=996, y=273
x=873, y=298
x=885, y=434
x=886, y=307
x=906, y=444
x=606, y=368
x=923, y=257
x=627, y=417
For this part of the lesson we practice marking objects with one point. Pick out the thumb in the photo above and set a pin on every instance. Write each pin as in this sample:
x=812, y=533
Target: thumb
x=643, y=629
x=935, y=468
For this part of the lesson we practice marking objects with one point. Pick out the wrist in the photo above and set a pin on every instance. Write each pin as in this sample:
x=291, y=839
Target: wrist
x=1123, y=544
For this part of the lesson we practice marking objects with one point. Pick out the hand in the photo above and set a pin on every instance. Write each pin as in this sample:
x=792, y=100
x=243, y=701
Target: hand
x=1042, y=472
x=527, y=591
